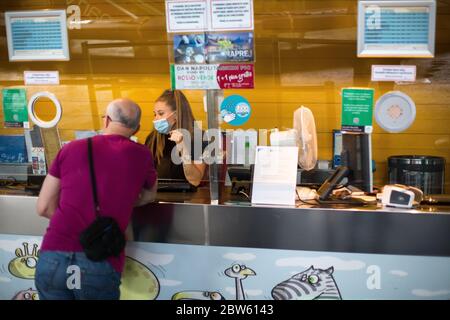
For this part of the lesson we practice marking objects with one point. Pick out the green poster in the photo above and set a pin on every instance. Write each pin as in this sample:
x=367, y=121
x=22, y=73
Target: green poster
x=357, y=109
x=15, y=107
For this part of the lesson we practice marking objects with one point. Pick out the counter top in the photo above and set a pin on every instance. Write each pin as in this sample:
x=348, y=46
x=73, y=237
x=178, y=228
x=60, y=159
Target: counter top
x=201, y=196
x=192, y=221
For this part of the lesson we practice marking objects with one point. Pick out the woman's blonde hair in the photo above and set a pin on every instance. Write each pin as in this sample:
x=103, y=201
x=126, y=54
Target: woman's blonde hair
x=179, y=104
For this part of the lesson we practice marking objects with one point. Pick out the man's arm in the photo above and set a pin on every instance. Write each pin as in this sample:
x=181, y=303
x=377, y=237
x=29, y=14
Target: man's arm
x=147, y=195
x=48, y=197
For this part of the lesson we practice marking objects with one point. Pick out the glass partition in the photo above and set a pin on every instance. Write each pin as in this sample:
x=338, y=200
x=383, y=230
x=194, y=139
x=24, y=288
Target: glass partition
x=305, y=53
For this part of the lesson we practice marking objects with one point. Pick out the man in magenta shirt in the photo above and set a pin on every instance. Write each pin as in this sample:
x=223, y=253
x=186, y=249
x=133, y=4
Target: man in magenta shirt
x=125, y=176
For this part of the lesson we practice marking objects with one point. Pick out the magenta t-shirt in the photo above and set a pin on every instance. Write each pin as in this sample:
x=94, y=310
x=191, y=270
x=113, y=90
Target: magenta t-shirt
x=122, y=169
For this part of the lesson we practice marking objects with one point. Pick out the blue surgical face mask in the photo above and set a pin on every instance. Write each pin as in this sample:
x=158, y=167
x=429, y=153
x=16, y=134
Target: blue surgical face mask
x=162, y=125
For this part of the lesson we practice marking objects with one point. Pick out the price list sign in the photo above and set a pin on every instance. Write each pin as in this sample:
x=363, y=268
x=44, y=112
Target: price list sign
x=396, y=28
x=37, y=35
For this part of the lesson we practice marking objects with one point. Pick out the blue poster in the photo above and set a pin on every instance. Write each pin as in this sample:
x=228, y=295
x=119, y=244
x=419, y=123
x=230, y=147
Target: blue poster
x=230, y=47
x=189, y=48
x=235, y=110
x=13, y=149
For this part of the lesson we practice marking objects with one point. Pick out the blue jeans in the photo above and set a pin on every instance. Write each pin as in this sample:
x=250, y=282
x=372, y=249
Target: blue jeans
x=72, y=276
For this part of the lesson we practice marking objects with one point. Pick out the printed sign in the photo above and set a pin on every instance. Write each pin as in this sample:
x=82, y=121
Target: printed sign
x=15, y=107
x=209, y=15
x=357, y=110
x=194, y=77
x=13, y=149
x=394, y=73
x=212, y=76
x=38, y=161
x=213, y=48
x=235, y=110
x=41, y=77
x=236, y=76
x=37, y=35
x=231, y=15
x=396, y=28
x=189, y=48
x=183, y=16
x=275, y=175
x=230, y=47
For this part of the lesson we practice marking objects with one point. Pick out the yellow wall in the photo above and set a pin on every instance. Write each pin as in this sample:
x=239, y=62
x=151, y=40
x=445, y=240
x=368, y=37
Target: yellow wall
x=305, y=54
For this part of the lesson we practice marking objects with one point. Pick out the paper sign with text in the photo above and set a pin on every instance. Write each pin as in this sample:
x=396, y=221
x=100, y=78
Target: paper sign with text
x=394, y=73
x=41, y=77
x=209, y=15
x=236, y=76
x=212, y=76
x=357, y=109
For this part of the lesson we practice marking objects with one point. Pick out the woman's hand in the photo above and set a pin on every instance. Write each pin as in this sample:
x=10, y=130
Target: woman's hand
x=176, y=136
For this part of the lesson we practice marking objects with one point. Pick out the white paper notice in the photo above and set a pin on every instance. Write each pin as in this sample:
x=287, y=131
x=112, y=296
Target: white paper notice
x=394, y=73
x=184, y=16
x=275, y=175
x=231, y=15
x=209, y=15
x=41, y=77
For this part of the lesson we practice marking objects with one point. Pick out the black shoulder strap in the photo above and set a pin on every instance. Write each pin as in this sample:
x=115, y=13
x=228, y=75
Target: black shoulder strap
x=93, y=181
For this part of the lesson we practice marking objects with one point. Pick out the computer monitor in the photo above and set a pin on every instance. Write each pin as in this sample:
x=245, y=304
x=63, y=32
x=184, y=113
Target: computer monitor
x=241, y=178
x=357, y=157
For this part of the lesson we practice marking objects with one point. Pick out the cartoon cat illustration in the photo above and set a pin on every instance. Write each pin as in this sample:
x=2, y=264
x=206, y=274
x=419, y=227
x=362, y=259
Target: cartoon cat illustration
x=311, y=284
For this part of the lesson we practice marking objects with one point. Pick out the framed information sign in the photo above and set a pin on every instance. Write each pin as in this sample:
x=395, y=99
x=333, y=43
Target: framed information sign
x=396, y=28
x=37, y=35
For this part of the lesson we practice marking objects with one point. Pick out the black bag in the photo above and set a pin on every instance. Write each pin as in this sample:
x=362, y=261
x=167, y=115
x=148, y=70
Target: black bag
x=103, y=238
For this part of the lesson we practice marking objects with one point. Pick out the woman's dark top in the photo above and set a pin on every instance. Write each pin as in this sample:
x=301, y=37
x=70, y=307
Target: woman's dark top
x=165, y=167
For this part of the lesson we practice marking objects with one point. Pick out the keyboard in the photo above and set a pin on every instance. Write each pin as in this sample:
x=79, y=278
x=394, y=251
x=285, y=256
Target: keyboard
x=349, y=201
x=175, y=186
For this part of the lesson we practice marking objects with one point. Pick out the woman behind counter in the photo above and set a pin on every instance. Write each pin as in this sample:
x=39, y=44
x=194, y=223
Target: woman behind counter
x=173, y=112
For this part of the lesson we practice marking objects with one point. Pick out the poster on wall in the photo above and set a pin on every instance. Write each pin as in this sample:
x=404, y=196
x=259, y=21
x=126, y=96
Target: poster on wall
x=13, y=149
x=209, y=15
x=37, y=35
x=213, y=48
x=194, y=77
x=357, y=109
x=189, y=48
x=15, y=113
x=230, y=47
x=235, y=110
x=212, y=76
x=396, y=28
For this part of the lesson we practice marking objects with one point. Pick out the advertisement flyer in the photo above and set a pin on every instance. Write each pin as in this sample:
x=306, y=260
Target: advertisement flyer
x=194, y=77
x=236, y=76
x=189, y=48
x=213, y=48
x=235, y=110
x=357, y=109
x=230, y=47
x=15, y=107
x=212, y=76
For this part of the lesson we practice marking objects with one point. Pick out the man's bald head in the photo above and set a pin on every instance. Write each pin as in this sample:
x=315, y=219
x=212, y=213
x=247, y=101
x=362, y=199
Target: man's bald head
x=126, y=112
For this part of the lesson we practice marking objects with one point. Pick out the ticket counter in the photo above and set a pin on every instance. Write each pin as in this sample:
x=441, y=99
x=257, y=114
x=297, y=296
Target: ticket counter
x=189, y=249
